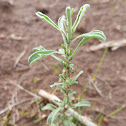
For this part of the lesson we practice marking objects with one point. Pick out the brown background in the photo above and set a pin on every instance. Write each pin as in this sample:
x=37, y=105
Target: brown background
x=19, y=19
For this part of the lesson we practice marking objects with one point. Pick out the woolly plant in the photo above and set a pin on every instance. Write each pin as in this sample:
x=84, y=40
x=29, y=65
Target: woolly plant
x=67, y=29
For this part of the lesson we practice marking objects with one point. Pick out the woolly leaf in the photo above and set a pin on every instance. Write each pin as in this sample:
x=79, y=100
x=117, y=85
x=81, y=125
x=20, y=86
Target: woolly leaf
x=69, y=21
x=49, y=107
x=52, y=115
x=81, y=104
x=93, y=34
x=56, y=84
x=47, y=19
x=40, y=54
x=79, y=16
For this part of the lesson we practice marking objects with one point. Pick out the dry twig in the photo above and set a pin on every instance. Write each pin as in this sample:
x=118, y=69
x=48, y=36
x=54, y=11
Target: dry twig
x=114, y=45
x=15, y=37
x=22, y=88
x=13, y=105
x=94, y=83
x=83, y=119
x=19, y=57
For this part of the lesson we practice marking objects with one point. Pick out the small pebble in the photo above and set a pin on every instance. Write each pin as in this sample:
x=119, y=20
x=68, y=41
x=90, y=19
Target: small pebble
x=105, y=120
x=2, y=36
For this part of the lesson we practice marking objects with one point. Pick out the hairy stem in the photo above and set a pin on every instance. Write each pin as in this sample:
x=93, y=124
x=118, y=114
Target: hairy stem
x=67, y=76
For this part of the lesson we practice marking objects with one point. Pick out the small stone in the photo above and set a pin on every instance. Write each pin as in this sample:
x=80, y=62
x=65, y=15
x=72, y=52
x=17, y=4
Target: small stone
x=89, y=70
x=2, y=36
x=105, y=120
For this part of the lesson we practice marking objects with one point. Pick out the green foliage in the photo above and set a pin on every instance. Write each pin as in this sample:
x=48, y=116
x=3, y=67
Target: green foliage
x=56, y=85
x=93, y=34
x=97, y=34
x=81, y=104
x=58, y=115
x=47, y=19
x=74, y=81
x=79, y=16
x=40, y=54
x=53, y=114
x=37, y=120
x=49, y=107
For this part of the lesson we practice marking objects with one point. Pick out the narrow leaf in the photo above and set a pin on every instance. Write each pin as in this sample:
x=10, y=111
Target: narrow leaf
x=58, y=59
x=93, y=34
x=56, y=84
x=77, y=75
x=69, y=20
x=72, y=93
x=81, y=43
x=82, y=103
x=61, y=21
x=97, y=34
x=72, y=11
x=79, y=16
x=40, y=48
x=35, y=57
x=69, y=91
x=47, y=19
x=49, y=107
x=62, y=77
x=40, y=54
x=73, y=82
x=52, y=115
x=38, y=120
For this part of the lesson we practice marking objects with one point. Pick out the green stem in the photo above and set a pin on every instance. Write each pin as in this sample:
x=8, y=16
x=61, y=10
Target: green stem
x=116, y=111
x=67, y=73
x=100, y=63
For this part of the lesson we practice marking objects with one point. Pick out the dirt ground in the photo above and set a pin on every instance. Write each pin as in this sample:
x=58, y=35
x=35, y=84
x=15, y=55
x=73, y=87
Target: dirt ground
x=21, y=30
